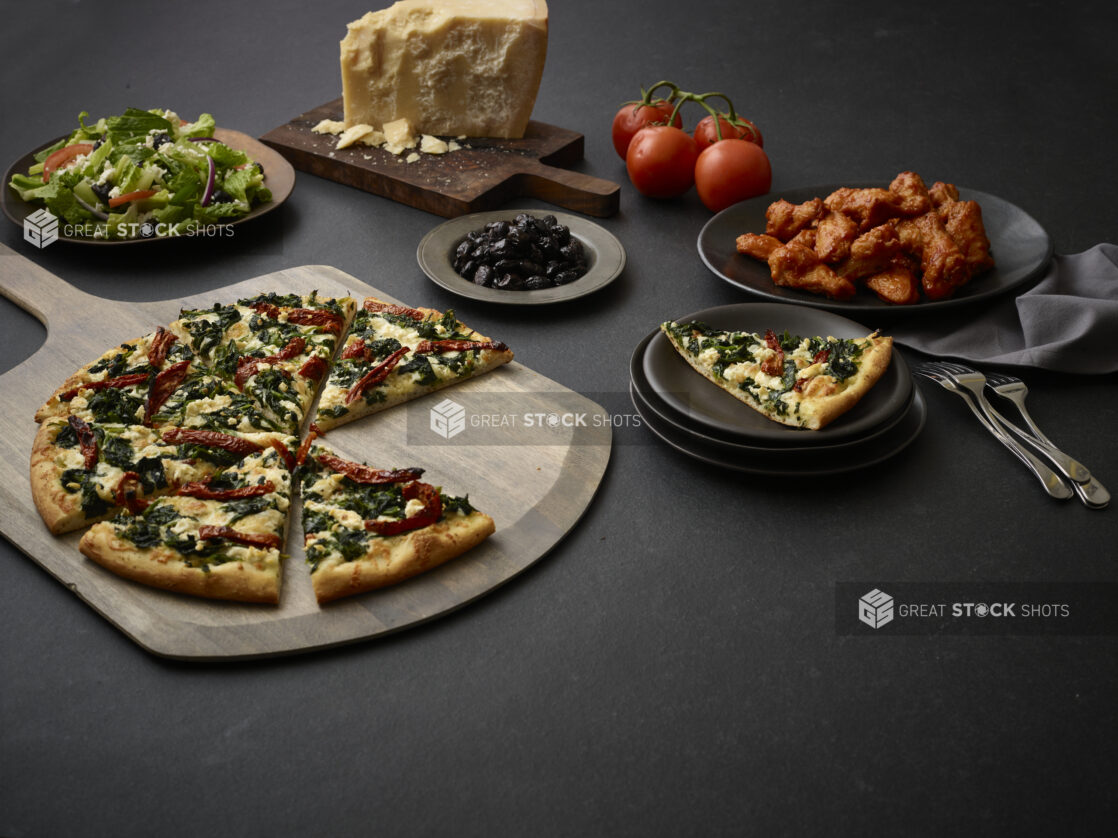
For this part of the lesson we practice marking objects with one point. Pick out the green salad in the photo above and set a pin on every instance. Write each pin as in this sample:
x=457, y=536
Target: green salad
x=142, y=174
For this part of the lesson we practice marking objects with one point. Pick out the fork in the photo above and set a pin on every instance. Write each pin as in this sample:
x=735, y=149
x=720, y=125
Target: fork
x=975, y=382
x=1012, y=388
x=1051, y=481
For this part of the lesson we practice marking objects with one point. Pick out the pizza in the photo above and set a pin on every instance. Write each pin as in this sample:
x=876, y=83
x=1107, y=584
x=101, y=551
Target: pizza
x=82, y=472
x=394, y=353
x=219, y=537
x=275, y=348
x=180, y=451
x=366, y=527
x=804, y=382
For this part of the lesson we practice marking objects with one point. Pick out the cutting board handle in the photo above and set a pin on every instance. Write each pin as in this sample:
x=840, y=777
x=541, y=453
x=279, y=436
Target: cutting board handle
x=570, y=190
x=50, y=299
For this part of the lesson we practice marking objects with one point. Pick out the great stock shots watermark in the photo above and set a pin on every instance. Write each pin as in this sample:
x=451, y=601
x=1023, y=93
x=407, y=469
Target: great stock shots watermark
x=981, y=608
x=545, y=418
x=42, y=228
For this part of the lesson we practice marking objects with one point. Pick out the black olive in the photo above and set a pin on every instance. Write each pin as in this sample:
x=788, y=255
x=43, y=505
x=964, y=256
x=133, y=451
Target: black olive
x=509, y=282
x=160, y=139
x=258, y=166
x=535, y=283
x=102, y=190
x=100, y=142
x=483, y=275
x=220, y=196
x=563, y=277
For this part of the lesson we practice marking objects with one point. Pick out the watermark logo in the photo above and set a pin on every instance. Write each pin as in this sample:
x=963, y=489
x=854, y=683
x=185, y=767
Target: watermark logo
x=875, y=609
x=40, y=228
x=448, y=419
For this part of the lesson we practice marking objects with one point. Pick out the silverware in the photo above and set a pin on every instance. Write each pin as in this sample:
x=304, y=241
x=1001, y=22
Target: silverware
x=1091, y=491
x=1051, y=481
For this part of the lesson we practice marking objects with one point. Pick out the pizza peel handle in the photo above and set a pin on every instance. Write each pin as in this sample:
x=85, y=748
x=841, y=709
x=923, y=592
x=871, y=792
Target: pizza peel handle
x=52, y=301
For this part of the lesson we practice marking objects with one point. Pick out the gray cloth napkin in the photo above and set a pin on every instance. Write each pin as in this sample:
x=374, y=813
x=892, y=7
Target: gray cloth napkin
x=1067, y=322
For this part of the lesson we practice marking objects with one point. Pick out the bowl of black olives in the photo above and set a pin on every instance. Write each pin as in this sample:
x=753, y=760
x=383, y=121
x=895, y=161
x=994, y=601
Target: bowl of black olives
x=521, y=256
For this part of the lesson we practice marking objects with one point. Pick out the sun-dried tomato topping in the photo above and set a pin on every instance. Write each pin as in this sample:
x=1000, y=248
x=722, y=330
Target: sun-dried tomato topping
x=426, y=346
x=165, y=383
x=160, y=345
x=207, y=531
x=390, y=308
x=368, y=475
x=774, y=364
x=376, y=375
x=357, y=349
x=821, y=356
x=127, y=380
x=128, y=491
x=285, y=455
x=313, y=368
x=248, y=366
x=432, y=511
x=201, y=489
x=328, y=320
x=312, y=435
x=211, y=439
x=87, y=442
x=267, y=309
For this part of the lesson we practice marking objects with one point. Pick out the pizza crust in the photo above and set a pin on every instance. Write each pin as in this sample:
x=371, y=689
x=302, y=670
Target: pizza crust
x=399, y=557
x=60, y=510
x=160, y=567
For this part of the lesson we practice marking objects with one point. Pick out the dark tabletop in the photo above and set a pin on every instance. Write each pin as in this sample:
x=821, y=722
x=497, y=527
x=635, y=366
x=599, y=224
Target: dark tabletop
x=673, y=666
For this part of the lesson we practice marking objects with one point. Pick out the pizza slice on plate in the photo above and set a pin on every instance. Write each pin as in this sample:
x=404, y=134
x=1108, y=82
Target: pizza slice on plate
x=805, y=382
x=220, y=537
x=367, y=528
x=394, y=353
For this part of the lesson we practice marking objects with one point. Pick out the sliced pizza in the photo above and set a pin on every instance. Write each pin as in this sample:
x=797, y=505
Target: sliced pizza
x=83, y=472
x=366, y=528
x=274, y=348
x=221, y=537
x=805, y=382
x=394, y=353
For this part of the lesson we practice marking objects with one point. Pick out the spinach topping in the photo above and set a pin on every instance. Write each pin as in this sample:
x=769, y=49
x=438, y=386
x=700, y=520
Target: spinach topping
x=421, y=365
x=208, y=334
x=115, y=406
x=80, y=480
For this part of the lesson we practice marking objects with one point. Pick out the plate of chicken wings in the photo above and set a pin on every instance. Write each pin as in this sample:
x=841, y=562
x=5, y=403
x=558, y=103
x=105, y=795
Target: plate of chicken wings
x=876, y=247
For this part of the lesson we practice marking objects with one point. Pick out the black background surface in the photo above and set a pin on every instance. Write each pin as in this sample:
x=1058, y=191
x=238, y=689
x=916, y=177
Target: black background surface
x=673, y=666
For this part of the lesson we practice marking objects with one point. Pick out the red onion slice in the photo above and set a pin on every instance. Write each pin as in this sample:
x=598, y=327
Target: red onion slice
x=207, y=196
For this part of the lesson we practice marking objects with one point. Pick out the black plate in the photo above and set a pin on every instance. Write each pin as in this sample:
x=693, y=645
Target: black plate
x=1019, y=244
x=279, y=177
x=650, y=399
x=604, y=254
x=710, y=409
x=791, y=464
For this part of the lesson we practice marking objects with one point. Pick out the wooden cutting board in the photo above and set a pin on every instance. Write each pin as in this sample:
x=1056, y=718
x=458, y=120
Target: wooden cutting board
x=484, y=175
x=535, y=489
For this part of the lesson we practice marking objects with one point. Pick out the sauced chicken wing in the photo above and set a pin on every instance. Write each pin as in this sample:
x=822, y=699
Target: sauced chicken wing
x=942, y=265
x=757, y=246
x=871, y=252
x=963, y=221
x=896, y=284
x=941, y=193
x=869, y=207
x=913, y=194
x=834, y=235
x=784, y=219
x=796, y=266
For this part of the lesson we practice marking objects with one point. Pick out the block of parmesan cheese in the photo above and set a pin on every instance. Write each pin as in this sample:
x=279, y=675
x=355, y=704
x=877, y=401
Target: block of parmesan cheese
x=449, y=67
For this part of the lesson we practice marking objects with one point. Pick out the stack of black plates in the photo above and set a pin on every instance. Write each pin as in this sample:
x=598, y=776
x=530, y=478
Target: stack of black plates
x=703, y=421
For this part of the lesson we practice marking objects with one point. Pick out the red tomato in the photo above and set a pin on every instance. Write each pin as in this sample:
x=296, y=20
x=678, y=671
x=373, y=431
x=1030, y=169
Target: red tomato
x=634, y=116
x=63, y=157
x=138, y=195
x=661, y=161
x=742, y=129
x=731, y=171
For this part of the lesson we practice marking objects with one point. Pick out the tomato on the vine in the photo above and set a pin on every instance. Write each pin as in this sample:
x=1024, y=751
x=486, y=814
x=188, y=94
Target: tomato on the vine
x=661, y=161
x=740, y=128
x=634, y=116
x=730, y=171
